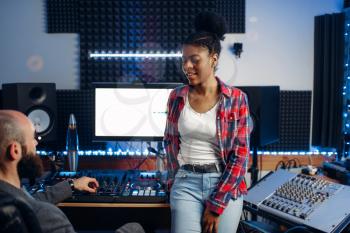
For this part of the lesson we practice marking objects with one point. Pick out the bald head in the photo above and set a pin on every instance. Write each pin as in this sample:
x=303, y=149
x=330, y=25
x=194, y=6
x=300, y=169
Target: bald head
x=17, y=145
x=12, y=125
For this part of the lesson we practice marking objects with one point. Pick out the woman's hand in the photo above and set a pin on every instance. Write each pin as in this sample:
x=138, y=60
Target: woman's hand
x=210, y=222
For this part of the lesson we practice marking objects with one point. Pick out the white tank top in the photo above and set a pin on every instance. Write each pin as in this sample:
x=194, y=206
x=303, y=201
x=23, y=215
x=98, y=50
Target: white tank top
x=198, y=143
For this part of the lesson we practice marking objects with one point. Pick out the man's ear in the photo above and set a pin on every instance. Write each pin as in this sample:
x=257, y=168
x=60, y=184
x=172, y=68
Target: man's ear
x=14, y=151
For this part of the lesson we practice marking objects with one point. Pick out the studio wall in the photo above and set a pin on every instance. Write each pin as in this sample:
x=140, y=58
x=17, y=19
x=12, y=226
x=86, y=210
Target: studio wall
x=277, y=45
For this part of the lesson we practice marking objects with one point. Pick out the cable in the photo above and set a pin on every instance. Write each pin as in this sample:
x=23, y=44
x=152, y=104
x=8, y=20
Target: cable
x=292, y=163
x=310, y=160
x=280, y=163
x=140, y=163
x=260, y=167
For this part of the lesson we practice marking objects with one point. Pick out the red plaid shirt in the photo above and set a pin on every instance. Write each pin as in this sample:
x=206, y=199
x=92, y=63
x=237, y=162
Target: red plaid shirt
x=233, y=125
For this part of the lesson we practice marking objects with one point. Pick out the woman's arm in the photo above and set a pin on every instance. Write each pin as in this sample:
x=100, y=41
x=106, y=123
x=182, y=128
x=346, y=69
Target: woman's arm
x=237, y=160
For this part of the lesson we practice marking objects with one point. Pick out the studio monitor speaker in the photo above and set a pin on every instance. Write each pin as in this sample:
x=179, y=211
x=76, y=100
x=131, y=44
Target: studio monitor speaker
x=264, y=108
x=38, y=102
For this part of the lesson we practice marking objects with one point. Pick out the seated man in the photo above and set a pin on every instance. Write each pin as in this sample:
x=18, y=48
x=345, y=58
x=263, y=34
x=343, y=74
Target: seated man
x=17, y=147
x=31, y=167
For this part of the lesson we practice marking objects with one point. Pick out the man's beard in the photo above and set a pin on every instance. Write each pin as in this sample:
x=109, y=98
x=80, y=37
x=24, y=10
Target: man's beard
x=30, y=166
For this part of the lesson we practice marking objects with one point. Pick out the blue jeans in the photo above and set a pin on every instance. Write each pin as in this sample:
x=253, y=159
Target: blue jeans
x=187, y=201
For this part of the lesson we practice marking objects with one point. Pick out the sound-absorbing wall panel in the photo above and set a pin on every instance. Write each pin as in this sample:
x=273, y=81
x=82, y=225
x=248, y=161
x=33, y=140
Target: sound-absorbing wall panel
x=328, y=80
x=234, y=13
x=136, y=26
x=62, y=16
x=295, y=115
x=133, y=27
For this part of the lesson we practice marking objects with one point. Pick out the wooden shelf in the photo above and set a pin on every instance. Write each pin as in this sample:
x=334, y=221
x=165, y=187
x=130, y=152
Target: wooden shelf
x=115, y=205
x=269, y=162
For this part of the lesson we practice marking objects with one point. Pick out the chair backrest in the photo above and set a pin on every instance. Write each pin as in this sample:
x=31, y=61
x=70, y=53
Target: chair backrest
x=298, y=229
x=17, y=216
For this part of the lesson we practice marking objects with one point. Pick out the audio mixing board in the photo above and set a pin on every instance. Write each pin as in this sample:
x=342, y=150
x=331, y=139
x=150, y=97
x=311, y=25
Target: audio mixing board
x=117, y=186
x=302, y=199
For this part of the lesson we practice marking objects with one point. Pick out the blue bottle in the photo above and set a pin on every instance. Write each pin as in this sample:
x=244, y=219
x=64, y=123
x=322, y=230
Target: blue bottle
x=72, y=144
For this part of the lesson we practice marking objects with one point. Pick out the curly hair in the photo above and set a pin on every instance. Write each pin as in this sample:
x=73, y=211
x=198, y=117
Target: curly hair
x=210, y=29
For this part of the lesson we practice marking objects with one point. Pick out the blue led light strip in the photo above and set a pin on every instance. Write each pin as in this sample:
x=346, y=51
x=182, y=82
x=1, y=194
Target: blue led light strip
x=135, y=55
x=147, y=153
x=346, y=86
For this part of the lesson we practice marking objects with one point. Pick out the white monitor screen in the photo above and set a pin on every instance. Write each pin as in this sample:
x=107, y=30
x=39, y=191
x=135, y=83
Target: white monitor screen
x=129, y=111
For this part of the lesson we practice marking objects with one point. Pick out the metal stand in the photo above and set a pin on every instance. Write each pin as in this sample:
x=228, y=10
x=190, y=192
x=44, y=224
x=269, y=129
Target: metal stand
x=254, y=171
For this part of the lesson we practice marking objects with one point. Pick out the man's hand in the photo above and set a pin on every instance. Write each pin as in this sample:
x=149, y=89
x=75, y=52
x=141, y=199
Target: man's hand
x=210, y=222
x=87, y=184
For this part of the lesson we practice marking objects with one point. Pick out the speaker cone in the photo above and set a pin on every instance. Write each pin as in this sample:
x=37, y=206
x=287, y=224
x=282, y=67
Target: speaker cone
x=41, y=120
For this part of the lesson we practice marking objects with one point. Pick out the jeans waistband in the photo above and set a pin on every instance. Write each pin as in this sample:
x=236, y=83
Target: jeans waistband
x=205, y=168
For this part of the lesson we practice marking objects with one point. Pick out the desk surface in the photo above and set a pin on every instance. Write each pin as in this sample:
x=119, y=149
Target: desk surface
x=115, y=205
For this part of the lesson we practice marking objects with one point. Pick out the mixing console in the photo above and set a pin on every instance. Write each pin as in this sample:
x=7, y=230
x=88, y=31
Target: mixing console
x=302, y=199
x=301, y=195
x=120, y=186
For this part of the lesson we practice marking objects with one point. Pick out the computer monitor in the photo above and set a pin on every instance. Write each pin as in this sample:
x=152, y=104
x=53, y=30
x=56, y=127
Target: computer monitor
x=130, y=111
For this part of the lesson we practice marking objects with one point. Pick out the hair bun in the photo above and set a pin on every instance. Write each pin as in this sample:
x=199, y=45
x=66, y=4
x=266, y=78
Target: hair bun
x=210, y=22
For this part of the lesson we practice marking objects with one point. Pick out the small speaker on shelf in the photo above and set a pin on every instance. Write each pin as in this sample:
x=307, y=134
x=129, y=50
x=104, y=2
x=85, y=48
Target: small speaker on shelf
x=264, y=108
x=38, y=102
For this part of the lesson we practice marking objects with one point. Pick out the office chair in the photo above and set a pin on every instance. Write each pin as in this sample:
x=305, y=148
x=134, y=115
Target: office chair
x=16, y=216
x=260, y=227
x=298, y=229
x=246, y=226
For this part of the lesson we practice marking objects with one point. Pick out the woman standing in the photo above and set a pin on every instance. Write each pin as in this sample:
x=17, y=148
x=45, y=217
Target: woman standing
x=206, y=138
